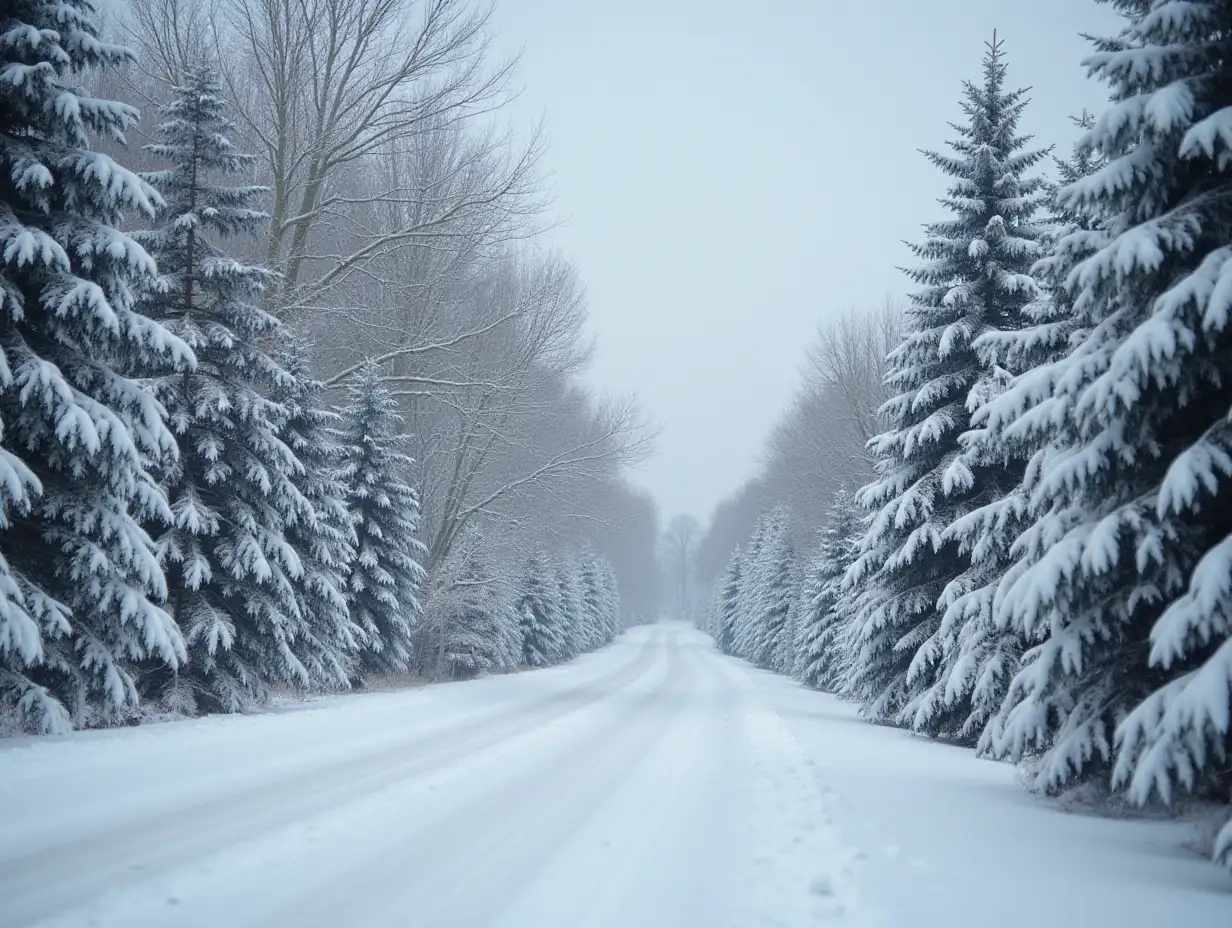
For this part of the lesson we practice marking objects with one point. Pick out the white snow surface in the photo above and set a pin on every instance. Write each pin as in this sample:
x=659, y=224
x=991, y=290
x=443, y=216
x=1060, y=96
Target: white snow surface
x=653, y=784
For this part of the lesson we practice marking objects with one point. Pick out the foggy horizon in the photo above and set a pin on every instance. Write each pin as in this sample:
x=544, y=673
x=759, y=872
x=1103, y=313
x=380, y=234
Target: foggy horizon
x=708, y=326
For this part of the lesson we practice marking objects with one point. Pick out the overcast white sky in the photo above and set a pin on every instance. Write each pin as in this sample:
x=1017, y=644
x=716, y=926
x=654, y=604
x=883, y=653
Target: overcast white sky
x=729, y=173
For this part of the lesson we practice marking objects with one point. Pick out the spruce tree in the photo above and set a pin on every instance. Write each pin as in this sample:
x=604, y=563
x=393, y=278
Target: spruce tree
x=1125, y=569
x=502, y=595
x=810, y=610
x=746, y=628
x=776, y=581
x=385, y=578
x=597, y=629
x=728, y=602
x=609, y=585
x=480, y=628
x=786, y=656
x=323, y=538
x=569, y=604
x=764, y=600
x=824, y=618
x=538, y=607
x=974, y=279
x=985, y=653
x=233, y=576
x=81, y=591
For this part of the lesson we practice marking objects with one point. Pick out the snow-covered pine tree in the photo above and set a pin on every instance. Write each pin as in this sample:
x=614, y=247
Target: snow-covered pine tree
x=386, y=575
x=569, y=603
x=480, y=626
x=785, y=655
x=824, y=617
x=974, y=279
x=502, y=595
x=609, y=583
x=809, y=609
x=538, y=607
x=324, y=543
x=775, y=580
x=81, y=590
x=232, y=575
x=712, y=599
x=746, y=628
x=985, y=653
x=1126, y=568
x=727, y=603
x=595, y=623
x=779, y=560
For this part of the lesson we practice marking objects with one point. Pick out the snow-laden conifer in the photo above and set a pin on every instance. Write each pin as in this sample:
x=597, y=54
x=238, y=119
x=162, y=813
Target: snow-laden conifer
x=1126, y=567
x=746, y=627
x=984, y=653
x=785, y=655
x=81, y=590
x=476, y=612
x=824, y=619
x=773, y=576
x=609, y=584
x=386, y=576
x=232, y=574
x=539, y=610
x=727, y=601
x=596, y=628
x=571, y=612
x=973, y=279
x=323, y=538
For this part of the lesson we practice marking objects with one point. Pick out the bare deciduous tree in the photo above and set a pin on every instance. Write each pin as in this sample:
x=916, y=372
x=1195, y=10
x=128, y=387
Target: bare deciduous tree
x=371, y=122
x=328, y=86
x=399, y=207
x=820, y=442
x=846, y=364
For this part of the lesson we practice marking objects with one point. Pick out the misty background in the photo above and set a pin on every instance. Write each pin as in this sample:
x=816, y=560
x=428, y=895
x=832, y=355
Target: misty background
x=729, y=176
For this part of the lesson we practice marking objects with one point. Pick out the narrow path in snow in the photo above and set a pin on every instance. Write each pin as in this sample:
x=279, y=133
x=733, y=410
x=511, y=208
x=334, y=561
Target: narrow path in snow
x=655, y=784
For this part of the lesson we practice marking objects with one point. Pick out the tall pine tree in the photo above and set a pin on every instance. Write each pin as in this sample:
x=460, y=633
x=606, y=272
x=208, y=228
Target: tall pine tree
x=766, y=591
x=1125, y=569
x=233, y=576
x=609, y=585
x=597, y=632
x=543, y=633
x=385, y=575
x=985, y=652
x=728, y=603
x=746, y=626
x=569, y=604
x=324, y=536
x=81, y=591
x=776, y=592
x=480, y=628
x=974, y=279
x=824, y=621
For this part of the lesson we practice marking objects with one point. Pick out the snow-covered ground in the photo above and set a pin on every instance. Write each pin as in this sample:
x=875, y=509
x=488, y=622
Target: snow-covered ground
x=655, y=783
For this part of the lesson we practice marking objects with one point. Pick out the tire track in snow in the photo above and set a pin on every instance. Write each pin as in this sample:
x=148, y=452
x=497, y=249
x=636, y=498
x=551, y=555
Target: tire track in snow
x=510, y=833
x=661, y=852
x=70, y=874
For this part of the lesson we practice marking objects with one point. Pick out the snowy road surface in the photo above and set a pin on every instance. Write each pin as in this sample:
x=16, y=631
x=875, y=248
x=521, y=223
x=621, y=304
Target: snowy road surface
x=653, y=784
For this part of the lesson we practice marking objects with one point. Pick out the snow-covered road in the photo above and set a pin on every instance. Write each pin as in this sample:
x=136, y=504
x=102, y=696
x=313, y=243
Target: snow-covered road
x=653, y=784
